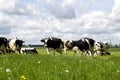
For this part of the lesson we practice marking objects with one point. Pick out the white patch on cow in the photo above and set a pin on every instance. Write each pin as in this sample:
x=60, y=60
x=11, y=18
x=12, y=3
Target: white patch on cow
x=51, y=38
x=75, y=50
x=83, y=39
x=88, y=42
x=45, y=43
x=69, y=42
x=12, y=41
x=12, y=44
x=97, y=46
x=46, y=40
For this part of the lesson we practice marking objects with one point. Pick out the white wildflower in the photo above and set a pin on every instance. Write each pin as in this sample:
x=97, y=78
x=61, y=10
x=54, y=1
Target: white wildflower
x=39, y=62
x=9, y=78
x=8, y=70
x=63, y=63
x=66, y=71
x=1, y=68
x=118, y=70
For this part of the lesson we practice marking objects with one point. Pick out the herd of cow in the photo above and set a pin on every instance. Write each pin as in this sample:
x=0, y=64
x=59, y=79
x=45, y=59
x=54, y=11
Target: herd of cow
x=87, y=46
x=14, y=46
x=11, y=45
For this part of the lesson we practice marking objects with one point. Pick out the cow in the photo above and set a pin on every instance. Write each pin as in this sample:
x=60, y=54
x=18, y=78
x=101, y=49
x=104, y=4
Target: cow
x=75, y=49
x=14, y=45
x=102, y=48
x=52, y=42
x=85, y=45
x=3, y=45
x=28, y=50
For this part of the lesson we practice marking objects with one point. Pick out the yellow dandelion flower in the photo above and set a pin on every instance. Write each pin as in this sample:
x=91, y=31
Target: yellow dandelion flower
x=23, y=78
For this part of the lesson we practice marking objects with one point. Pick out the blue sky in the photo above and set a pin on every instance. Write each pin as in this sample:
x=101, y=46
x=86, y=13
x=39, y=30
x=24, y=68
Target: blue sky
x=32, y=20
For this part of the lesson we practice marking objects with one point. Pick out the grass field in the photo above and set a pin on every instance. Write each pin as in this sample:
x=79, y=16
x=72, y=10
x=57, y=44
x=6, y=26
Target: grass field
x=60, y=67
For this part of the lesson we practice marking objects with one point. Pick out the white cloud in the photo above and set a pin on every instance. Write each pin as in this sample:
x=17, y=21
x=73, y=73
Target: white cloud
x=7, y=4
x=32, y=20
x=59, y=9
x=116, y=10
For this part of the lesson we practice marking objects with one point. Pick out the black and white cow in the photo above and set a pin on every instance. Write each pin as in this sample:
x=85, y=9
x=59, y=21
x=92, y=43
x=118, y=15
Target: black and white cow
x=54, y=43
x=102, y=48
x=29, y=50
x=15, y=45
x=75, y=49
x=86, y=45
x=3, y=45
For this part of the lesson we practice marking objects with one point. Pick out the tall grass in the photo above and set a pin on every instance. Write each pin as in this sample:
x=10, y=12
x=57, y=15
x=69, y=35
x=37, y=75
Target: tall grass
x=60, y=67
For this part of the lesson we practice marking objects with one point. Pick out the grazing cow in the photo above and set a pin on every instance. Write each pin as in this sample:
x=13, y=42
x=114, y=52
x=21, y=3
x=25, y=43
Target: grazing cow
x=86, y=45
x=54, y=43
x=15, y=45
x=102, y=48
x=3, y=45
x=28, y=51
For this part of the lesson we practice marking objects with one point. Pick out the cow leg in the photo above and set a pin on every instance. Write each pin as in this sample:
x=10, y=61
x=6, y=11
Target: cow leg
x=89, y=53
x=17, y=52
x=54, y=52
x=3, y=48
x=74, y=52
x=86, y=53
x=60, y=51
x=94, y=53
x=47, y=49
x=35, y=51
x=65, y=51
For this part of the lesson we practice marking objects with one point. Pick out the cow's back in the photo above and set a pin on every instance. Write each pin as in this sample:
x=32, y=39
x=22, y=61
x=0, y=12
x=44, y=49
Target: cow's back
x=54, y=43
x=12, y=43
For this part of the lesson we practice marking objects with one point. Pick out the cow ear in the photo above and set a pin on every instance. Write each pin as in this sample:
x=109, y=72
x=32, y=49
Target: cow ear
x=42, y=40
x=67, y=41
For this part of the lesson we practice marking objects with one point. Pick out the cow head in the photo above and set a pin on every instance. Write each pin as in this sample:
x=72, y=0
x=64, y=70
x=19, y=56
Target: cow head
x=106, y=45
x=45, y=41
x=98, y=46
x=19, y=42
x=69, y=44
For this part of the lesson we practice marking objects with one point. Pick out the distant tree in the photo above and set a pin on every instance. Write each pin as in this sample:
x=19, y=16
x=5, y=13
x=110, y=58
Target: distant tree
x=116, y=46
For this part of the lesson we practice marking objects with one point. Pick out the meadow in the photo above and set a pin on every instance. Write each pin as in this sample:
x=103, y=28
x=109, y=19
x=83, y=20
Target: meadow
x=42, y=66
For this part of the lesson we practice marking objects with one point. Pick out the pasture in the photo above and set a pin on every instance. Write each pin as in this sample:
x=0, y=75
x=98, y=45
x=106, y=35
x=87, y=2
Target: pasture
x=42, y=66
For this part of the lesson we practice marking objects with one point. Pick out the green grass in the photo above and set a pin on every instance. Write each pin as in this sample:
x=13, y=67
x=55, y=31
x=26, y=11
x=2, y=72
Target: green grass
x=60, y=67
